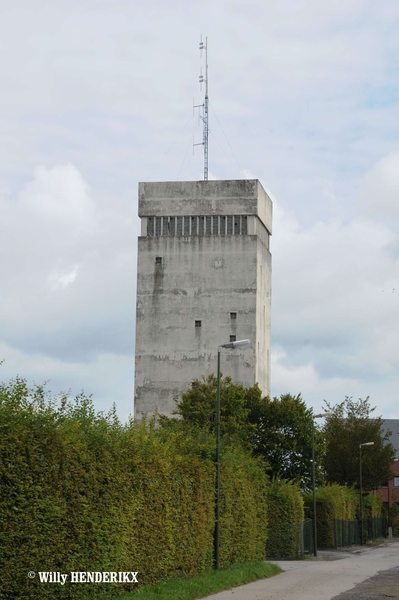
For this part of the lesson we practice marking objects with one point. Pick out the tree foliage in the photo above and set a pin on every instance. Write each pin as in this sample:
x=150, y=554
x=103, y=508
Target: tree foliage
x=279, y=430
x=197, y=406
x=284, y=438
x=349, y=425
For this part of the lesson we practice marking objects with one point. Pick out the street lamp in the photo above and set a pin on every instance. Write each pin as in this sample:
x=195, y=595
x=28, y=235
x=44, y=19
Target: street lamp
x=321, y=415
x=217, y=508
x=361, y=495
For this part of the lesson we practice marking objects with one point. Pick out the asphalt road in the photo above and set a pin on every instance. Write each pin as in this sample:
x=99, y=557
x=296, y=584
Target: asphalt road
x=380, y=587
x=333, y=576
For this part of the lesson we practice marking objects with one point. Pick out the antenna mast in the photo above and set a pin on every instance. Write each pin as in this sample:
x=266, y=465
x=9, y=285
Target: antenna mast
x=204, y=106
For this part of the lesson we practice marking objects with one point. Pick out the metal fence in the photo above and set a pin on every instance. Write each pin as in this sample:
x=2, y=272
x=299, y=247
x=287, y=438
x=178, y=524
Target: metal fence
x=295, y=540
x=348, y=533
x=374, y=528
x=290, y=540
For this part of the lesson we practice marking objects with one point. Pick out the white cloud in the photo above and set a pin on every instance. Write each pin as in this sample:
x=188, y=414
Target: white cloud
x=57, y=280
x=94, y=95
x=59, y=196
x=379, y=194
x=335, y=303
x=65, y=292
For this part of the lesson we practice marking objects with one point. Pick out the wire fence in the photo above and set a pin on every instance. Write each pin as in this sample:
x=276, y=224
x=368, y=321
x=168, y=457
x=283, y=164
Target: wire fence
x=296, y=540
x=348, y=533
x=290, y=540
x=374, y=528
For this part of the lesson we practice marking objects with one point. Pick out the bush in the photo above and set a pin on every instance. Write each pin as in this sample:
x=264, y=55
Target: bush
x=372, y=506
x=285, y=511
x=82, y=492
x=332, y=502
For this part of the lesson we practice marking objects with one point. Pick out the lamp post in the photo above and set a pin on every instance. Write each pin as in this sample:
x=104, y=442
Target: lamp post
x=217, y=507
x=361, y=491
x=314, y=484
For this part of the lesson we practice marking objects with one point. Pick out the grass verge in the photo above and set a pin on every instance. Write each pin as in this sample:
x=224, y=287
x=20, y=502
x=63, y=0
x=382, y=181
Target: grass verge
x=204, y=585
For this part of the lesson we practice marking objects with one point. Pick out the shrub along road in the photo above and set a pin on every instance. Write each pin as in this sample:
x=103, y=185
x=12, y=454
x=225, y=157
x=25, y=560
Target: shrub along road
x=327, y=578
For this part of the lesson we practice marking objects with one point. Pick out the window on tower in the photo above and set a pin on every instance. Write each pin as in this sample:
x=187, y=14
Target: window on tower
x=197, y=225
x=186, y=226
x=233, y=338
x=201, y=226
x=179, y=226
x=222, y=225
x=198, y=323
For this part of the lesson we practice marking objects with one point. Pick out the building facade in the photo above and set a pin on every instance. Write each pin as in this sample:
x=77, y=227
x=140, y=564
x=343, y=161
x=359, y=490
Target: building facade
x=203, y=279
x=389, y=493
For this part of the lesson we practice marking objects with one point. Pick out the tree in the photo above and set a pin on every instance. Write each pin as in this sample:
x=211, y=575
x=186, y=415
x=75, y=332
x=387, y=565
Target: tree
x=348, y=426
x=284, y=438
x=197, y=406
x=278, y=430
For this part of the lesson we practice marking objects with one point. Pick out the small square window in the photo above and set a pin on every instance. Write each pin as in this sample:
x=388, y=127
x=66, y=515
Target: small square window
x=158, y=260
x=233, y=338
x=233, y=315
x=198, y=323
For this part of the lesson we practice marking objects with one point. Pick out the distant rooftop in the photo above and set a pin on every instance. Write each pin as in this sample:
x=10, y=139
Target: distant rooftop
x=393, y=425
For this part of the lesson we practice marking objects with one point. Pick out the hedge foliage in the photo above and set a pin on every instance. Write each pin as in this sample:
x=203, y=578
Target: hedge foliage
x=332, y=502
x=79, y=491
x=372, y=506
x=285, y=511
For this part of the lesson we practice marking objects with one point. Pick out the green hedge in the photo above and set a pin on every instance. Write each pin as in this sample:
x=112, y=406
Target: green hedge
x=81, y=492
x=332, y=502
x=285, y=511
x=372, y=506
x=243, y=522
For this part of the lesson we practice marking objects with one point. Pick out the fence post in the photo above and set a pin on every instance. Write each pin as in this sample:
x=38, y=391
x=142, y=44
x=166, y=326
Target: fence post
x=301, y=537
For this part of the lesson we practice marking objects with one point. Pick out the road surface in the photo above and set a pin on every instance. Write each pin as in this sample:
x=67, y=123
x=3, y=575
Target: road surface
x=327, y=577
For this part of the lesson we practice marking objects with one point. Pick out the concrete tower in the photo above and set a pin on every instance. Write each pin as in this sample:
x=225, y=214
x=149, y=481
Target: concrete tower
x=203, y=279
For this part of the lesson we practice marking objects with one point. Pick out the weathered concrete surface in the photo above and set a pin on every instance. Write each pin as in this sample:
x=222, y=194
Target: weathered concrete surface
x=232, y=197
x=323, y=579
x=184, y=279
x=380, y=587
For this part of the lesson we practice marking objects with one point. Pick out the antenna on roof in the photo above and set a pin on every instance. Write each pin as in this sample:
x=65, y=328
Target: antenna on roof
x=204, y=106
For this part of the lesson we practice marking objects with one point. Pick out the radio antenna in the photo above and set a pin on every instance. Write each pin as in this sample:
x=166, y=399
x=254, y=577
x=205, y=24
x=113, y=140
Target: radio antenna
x=204, y=106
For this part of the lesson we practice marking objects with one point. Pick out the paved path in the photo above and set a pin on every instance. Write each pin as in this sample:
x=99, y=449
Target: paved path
x=380, y=587
x=322, y=579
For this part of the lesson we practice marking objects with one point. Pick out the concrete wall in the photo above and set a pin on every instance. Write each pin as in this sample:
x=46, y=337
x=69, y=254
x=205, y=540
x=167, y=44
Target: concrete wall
x=184, y=279
x=236, y=197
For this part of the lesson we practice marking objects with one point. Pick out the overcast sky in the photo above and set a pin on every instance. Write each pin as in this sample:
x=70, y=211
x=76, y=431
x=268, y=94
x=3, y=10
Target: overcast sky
x=97, y=95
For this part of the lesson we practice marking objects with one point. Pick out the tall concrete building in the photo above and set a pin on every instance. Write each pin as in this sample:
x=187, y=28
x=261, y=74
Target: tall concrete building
x=203, y=279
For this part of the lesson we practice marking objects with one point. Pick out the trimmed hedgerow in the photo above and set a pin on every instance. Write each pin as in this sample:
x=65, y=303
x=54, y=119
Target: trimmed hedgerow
x=332, y=502
x=79, y=491
x=285, y=511
x=372, y=506
x=243, y=522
